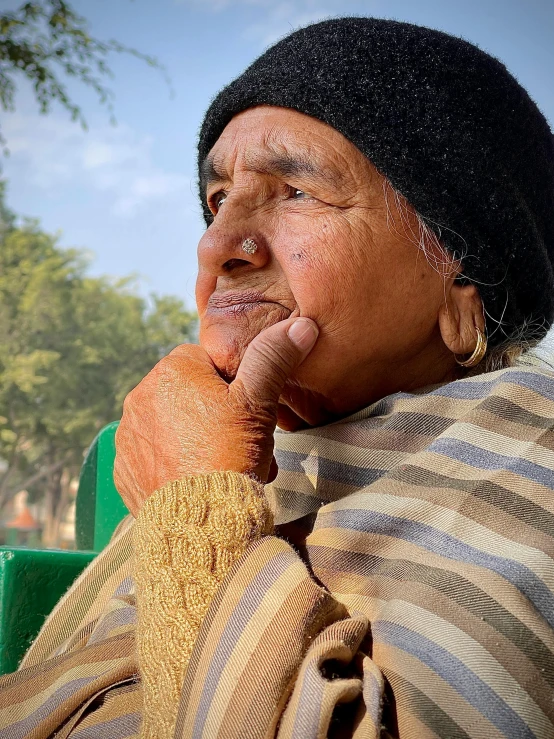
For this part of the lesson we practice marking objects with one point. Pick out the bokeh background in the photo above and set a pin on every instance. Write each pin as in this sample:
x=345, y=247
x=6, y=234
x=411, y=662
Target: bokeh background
x=101, y=283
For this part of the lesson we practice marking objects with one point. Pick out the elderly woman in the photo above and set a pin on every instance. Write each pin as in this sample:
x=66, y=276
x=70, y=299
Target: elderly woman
x=377, y=264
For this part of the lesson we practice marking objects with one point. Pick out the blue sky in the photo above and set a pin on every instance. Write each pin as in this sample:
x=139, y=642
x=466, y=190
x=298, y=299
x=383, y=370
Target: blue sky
x=127, y=193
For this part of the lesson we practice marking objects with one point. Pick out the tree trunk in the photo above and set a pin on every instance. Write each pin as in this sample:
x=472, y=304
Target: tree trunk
x=35, y=477
x=52, y=500
x=5, y=495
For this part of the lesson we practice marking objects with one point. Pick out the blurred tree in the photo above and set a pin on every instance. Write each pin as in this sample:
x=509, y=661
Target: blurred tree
x=46, y=42
x=71, y=348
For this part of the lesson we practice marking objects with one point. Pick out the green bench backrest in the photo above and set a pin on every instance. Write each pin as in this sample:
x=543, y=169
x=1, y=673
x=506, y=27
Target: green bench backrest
x=33, y=580
x=31, y=583
x=99, y=505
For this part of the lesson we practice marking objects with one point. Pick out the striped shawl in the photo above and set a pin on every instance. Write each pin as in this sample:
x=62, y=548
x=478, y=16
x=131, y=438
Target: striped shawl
x=408, y=591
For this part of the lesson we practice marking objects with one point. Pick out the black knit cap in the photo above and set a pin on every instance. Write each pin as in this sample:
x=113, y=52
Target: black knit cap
x=449, y=127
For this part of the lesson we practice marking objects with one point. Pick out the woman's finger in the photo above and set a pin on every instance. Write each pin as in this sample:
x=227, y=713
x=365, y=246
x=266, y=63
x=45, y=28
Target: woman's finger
x=272, y=357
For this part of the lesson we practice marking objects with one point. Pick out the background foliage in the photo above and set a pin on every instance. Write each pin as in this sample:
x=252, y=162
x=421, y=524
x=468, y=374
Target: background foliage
x=71, y=348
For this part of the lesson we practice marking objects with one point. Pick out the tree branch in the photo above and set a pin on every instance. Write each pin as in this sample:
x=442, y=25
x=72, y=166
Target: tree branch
x=44, y=472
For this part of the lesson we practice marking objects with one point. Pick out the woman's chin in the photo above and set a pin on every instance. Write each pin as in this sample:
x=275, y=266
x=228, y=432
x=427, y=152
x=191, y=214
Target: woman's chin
x=226, y=358
x=226, y=340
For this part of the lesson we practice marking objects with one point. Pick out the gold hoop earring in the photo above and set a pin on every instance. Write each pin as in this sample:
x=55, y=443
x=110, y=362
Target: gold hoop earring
x=478, y=353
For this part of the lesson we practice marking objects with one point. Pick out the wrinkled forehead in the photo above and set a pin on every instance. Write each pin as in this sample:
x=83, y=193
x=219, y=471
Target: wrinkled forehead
x=283, y=143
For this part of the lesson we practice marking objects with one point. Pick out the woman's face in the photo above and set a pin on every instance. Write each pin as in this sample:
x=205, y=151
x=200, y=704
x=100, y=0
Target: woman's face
x=331, y=246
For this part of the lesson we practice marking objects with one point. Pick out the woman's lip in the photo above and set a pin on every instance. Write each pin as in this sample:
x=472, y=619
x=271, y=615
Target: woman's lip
x=236, y=304
x=238, y=309
x=228, y=299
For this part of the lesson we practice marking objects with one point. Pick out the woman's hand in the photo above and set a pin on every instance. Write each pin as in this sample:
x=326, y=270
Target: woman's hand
x=184, y=419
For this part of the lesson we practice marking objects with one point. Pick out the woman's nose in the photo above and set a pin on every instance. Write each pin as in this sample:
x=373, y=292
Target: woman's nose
x=229, y=245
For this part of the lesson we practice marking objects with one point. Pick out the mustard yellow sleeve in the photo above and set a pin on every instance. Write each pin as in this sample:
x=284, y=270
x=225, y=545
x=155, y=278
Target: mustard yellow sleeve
x=186, y=537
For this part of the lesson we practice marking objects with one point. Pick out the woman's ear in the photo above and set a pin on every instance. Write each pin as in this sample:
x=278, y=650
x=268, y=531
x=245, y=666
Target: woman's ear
x=459, y=316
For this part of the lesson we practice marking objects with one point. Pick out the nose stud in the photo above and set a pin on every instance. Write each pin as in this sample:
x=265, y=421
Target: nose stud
x=249, y=246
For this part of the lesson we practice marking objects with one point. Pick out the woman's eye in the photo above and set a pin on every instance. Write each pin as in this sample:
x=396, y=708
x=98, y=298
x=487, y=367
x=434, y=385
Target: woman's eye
x=299, y=194
x=218, y=199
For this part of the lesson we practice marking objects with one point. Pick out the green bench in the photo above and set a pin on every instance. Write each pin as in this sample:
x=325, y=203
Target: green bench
x=33, y=580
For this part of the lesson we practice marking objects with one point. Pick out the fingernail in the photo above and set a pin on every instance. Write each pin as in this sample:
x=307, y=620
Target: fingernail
x=303, y=333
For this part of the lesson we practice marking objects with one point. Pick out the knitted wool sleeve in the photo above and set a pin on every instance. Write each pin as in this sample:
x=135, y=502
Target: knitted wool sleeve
x=186, y=537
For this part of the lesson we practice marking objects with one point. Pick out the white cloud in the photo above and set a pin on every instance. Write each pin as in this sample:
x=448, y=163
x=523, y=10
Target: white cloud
x=150, y=187
x=214, y=6
x=53, y=152
x=282, y=18
x=279, y=18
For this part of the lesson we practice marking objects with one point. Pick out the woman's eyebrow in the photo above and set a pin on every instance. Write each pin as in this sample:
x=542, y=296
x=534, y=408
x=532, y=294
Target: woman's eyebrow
x=209, y=173
x=280, y=165
x=293, y=165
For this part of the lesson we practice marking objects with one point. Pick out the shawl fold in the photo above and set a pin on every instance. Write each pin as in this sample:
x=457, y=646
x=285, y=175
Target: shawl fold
x=416, y=598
